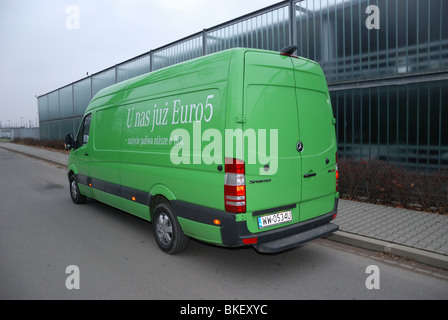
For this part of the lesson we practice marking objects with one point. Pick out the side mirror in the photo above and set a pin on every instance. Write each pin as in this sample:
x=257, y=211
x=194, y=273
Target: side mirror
x=69, y=141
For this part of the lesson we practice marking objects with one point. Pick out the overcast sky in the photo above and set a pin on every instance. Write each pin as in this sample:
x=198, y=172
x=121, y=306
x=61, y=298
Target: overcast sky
x=39, y=53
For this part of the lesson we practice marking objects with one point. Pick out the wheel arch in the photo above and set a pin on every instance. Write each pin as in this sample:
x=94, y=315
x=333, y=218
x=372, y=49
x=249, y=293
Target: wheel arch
x=159, y=194
x=71, y=171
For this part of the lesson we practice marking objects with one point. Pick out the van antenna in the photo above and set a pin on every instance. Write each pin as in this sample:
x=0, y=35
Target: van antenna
x=289, y=50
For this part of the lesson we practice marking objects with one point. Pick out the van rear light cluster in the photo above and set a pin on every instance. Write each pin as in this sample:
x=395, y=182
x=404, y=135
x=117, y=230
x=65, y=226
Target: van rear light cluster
x=235, y=186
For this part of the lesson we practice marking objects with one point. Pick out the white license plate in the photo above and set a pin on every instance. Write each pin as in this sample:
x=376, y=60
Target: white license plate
x=274, y=219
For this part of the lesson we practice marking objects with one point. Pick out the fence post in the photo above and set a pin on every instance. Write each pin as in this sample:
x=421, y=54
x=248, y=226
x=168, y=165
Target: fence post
x=204, y=42
x=292, y=16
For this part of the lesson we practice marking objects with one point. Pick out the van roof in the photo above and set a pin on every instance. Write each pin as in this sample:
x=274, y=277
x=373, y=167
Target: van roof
x=216, y=61
x=219, y=62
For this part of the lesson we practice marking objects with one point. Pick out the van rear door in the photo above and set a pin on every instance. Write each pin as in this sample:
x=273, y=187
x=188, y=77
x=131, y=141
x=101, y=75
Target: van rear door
x=273, y=166
x=317, y=139
x=296, y=172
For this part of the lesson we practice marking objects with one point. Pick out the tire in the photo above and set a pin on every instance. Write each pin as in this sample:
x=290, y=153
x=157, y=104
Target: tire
x=167, y=230
x=75, y=194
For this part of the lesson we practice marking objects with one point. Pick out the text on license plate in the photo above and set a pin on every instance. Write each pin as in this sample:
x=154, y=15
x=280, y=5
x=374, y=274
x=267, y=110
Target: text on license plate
x=274, y=219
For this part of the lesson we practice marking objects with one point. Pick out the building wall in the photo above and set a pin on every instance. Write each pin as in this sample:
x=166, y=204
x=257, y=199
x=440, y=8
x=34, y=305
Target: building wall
x=388, y=85
x=14, y=133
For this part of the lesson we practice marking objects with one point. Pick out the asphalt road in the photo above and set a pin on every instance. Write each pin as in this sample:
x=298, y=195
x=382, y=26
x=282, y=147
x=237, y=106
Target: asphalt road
x=42, y=233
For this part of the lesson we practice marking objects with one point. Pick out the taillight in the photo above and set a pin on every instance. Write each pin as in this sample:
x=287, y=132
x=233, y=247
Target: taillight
x=337, y=174
x=235, y=186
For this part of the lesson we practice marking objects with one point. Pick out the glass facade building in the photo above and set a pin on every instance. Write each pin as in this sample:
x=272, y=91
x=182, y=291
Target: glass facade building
x=386, y=63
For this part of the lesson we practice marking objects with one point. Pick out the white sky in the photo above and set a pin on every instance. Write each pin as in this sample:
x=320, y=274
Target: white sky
x=38, y=53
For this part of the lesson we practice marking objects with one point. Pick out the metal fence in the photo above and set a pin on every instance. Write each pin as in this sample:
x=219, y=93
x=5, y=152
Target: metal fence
x=388, y=85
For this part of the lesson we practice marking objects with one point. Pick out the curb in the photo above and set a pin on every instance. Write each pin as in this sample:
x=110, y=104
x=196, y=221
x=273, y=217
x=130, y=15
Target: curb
x=422, y=256
x=35, y=156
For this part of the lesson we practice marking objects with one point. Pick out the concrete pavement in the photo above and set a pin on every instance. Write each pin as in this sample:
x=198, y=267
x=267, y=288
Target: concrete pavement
x=54, y=157
x=413, y=234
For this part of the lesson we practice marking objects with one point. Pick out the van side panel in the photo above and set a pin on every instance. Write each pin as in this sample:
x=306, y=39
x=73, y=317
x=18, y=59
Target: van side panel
x=134, y=142
x=162, y=144
x=105, y=157
x=171, y=140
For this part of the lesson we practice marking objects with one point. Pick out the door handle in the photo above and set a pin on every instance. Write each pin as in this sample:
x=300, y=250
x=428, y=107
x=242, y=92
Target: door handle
x=309, y=175
x=86, y=154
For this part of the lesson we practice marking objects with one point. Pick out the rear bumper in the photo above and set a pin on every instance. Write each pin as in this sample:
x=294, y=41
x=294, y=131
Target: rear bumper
x=233, y=233
x=296, y=240
x=283, y=238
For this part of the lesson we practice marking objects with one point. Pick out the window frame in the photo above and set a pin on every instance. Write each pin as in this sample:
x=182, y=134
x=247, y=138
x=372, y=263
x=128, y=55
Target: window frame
x=81, y=137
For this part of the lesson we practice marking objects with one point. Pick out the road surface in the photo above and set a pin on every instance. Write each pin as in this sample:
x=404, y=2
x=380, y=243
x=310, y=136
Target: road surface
x=51, y=248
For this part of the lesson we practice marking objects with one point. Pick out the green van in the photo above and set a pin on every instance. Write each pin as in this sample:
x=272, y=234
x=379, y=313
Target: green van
x=236, y=148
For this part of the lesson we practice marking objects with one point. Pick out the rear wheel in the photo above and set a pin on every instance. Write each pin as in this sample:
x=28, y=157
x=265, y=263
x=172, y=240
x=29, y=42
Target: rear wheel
x=75, y=194
x=167, y=230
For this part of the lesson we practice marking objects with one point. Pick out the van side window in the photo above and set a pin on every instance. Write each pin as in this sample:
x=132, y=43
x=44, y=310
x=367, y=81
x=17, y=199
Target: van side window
x=84, y=131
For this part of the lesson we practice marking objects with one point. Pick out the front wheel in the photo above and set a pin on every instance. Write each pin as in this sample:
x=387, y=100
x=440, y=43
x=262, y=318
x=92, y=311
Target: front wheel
x=167, y=230
x=75, y=194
